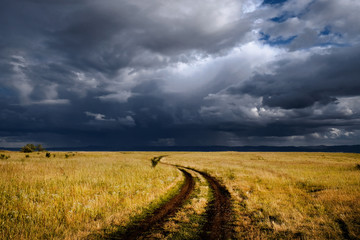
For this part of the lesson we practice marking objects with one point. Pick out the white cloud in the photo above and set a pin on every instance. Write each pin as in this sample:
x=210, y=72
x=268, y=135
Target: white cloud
x=51, y=102
x=123, y=121
x=99, y=116
x=236, y=66
x=120, y=97
x=332, y=133
x=187, y=62
x=307, y=19
x=20, y=80
x=250, y=6
x=240, y=109
x=90, y=82
x=127, y=121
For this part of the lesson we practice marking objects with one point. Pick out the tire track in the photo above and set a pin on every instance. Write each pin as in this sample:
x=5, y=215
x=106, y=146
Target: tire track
x=160, y=214
x=219, y=213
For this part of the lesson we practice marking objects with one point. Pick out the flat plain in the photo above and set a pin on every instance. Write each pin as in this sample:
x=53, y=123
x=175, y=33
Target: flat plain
x=94, y=195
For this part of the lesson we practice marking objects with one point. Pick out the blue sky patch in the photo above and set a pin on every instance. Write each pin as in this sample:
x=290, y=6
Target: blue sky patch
x=276, y=41
x=326, y=30
x=282, y=41
x=282, y=18
x=273, y=2
x=264, y=36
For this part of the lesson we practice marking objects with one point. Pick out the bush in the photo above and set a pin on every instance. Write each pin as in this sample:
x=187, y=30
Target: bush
x=48, y=155
x=357, y=166
x=69, y=154
x=28, y=148
x=4, y=157
x=155, y=161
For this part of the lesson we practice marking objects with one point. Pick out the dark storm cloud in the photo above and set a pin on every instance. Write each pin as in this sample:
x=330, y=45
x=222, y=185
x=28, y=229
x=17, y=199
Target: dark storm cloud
x=108, y=37
x=299, y=84
x=88, y=72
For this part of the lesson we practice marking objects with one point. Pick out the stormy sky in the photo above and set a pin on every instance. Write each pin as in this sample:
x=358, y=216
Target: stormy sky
x=179, y=73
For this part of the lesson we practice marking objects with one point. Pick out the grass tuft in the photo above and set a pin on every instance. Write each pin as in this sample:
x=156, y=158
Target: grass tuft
x=4, y=157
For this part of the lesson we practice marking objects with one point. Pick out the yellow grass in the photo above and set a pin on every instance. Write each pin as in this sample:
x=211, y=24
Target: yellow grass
x=288, y=195
x=274, y=195
x=189, y=220
x=68, y=198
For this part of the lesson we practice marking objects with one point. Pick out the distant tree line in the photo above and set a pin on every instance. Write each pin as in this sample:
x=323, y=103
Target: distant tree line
x=32, y=148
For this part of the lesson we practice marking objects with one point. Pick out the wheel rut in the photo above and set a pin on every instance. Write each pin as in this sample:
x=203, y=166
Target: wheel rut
x=140, y=228
x=219, y=213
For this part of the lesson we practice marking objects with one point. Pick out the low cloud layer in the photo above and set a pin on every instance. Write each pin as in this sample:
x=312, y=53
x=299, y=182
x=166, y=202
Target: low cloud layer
x=140, y=73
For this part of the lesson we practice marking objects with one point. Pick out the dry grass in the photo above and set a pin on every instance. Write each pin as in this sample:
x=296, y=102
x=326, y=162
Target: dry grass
x=287, y=195
x=274, y=195
x=189, y=220
x=69, y=197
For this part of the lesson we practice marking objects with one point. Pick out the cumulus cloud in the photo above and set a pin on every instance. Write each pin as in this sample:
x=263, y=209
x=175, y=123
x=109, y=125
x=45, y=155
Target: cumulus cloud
x=179, y=72
x=311, y=23
x=319, y=78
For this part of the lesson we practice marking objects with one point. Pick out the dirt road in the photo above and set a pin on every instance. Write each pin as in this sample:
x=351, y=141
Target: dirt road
x=160, y=214
x=219, y=212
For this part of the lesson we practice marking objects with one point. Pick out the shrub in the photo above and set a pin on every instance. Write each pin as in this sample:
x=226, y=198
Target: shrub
x=28, y=148
x=155, y=161
x=48, y=155
x=4, y=157
x=357, y=166
x=69, y=154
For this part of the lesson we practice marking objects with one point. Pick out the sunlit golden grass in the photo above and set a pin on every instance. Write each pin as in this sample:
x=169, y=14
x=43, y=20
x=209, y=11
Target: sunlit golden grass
x=287, y=195
x=274, y=195
x=69, y=197
x=188, y=221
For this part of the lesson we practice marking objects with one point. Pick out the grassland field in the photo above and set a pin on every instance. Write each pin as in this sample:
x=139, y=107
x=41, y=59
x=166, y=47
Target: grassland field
x=273, y=195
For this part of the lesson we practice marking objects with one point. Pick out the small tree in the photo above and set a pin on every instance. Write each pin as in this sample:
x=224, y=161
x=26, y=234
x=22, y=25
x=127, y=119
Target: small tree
x=32, y=146
x=28, y=148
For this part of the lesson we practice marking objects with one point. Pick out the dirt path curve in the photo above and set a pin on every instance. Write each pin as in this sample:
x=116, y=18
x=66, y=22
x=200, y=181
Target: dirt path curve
x=219, y=213
x=160, y=214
